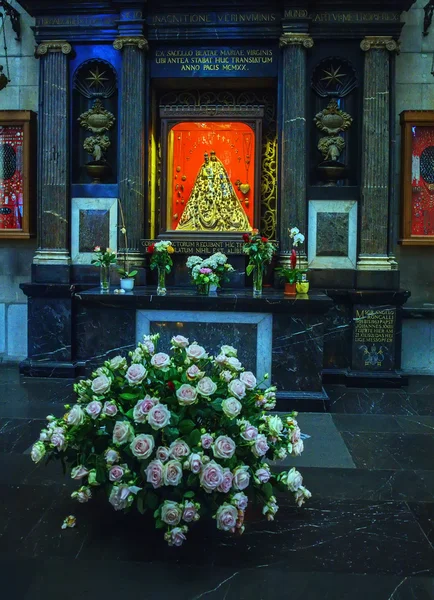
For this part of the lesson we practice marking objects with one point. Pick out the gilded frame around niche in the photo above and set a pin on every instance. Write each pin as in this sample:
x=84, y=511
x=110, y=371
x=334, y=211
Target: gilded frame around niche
x=417, y=178
x=17, y=173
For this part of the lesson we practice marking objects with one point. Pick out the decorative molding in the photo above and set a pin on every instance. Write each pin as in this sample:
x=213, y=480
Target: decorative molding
x=53, y=46
x=121, y=42
x=369, y=262
x=51, y=257
x=379, y=42
x=296, y=39
x=212, y=110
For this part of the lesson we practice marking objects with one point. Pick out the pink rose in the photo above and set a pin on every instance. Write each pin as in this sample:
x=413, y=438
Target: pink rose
x=176, y=537
x=224, y=447
x=206, y=441
x=226, y=516
x=79, y=472
x=122, y=432
x=142, y=446
x=241, y=478
x=190, y=512
x=186, y=395
x=297, y=448
x=154, y=473
x=233, y=363
x=171, y=512
x=159, y=416
x=179, y=448
x=161, y=361
x=194, y=463
x=116, y=473
x=136, y=374
x=58, y=438
x=111, y=456
x=206, y=387
x=162, y=453
x=248, y=379
x=194, y=373
x=196, y=352
x=149, y=346
x=172, y=474
x=142, y=408
x=231, y=407
x=101, y=384
x=240, y=500
x=211, y=476
x=249, y=432
x=226, y=484
x=110, y=409
x=179, y=341
x=260, y=447
x=263, y=475
x=237, y=389
x=93, y=409
x=295, y=435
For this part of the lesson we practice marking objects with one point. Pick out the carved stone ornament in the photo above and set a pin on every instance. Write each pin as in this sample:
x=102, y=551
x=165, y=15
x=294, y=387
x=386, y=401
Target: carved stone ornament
x=296, y=39
x=121, y=42
x=53, y=46
x=97, y=119
x=332, y=120
x=379, y=42
x=331, y=147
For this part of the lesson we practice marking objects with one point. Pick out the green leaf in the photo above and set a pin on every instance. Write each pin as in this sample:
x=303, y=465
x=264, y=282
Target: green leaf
x=174, y=419
x=130, y=413
x=152, y=500
x=194, y=438
x=128, y=396
x=191, y=479
x=171, y=432
x=249, y=269
x=156, y=513
x=189, y=494
x=267, y=488
x=186, y=426
x=159, y=524
x=141, y=504
x=217, y=404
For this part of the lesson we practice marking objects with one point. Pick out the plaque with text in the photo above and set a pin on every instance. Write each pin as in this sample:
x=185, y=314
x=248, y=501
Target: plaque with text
x=185, y=61
x=374, y=338
x=198, y=247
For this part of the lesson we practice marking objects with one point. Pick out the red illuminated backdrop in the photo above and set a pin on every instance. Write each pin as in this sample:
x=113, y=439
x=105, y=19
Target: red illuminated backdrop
x=422, y=222
x=234, y=145
x=11, y=177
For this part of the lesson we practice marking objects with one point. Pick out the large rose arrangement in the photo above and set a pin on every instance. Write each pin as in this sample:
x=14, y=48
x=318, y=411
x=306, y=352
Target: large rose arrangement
x=184, y=435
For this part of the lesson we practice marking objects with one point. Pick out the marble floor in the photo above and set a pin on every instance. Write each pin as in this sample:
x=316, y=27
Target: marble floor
x=368, y=531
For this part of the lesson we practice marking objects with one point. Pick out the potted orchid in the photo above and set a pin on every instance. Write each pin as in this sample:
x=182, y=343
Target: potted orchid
x=260, y=252
x=302, y=284
x=289, y=275
x=161, y=259
x=104, y=259
x=126, y=276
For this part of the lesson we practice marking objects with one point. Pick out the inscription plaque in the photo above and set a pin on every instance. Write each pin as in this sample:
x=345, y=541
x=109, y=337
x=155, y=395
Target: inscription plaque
x=374, y=338
x=198, y=247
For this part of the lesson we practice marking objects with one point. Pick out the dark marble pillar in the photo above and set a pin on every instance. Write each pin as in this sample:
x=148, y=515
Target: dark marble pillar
x=53, y=154
x=293, y=211
x=132, y=143
x=375, y=187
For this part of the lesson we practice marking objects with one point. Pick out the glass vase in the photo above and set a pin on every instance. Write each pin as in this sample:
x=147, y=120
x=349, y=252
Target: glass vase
x=161, y=287
x=203, y=289
x=104, y=277
x=258, y=273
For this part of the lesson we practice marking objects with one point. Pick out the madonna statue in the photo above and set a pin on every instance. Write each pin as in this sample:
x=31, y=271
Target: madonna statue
x=213, y=204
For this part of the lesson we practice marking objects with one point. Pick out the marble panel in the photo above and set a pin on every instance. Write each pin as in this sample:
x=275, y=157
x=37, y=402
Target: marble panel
x=337, y=337
x=418, y=346
x=50, y=329
x=87, y=212
x=2, y=328
x=250, y=333
x=332, y=234
x=94, y=229
x=17, y=330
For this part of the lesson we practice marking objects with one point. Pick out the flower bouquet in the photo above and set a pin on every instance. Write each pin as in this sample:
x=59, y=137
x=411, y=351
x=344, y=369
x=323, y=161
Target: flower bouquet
x=209, y=272
x=260, y=251
x=184, y=436
x=161, y=260
x=103, y=259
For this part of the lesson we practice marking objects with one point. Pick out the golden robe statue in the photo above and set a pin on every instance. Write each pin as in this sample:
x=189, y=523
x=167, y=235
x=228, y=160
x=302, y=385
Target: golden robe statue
x=213, y=204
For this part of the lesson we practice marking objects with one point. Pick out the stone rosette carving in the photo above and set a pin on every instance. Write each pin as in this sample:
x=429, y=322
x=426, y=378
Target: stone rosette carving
x=53, y=46
x=296, y=39
x=379, y=42
x=140, y=42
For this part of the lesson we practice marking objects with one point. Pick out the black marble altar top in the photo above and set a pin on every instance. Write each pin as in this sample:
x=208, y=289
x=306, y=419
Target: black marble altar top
x=271, y=301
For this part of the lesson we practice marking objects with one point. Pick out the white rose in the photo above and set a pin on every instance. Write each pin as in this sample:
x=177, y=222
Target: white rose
x=154, y=473
x=275, y=426
x=211, y=476
x=172, y=474
x=241, y=478
x=260, y=447
x=83, y=494
x=229, y=351
x=161, y=361
x=186, y=395
x=297, y=448
x=171, y=512
x=121, y=497
x=75, y=415
x=149, y=346
x=117, y=362
x=159, y=416
x=206, y=387
x=79, y=472
x=224, y=447
x=263, y=474
x=111, y=456
x=240, y=500
x=94, y=408
x=301, y=495
x=196, y=352
x=248, y=379
x=233, y=363
x=176, y=536
x=101, y=384
x=136, y=374
x=194, y=373
x=231, y=407
x=226, y=516
x=142, y=446
x=122, y=432
x=190, y=512
x=179, y=448
x=237, y=389
x=179, y=341
x=194, y=463
x=293, y=480
x=116, y=473
x=142, y=408
x=226, y=376
x=249, y=432
x=162, y=453
x=110, y=409
x=206, y=441
x=58, y=438
x=38, y=452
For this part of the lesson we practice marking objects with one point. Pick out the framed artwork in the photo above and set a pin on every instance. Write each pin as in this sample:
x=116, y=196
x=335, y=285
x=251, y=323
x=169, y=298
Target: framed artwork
x=17, y=173
x=211, y=173
x=417, y=172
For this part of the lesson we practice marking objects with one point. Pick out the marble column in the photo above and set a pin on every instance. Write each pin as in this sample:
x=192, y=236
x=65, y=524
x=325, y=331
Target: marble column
x=293, y=209
x=375, y=185
x=132, y=143
x=53, y=153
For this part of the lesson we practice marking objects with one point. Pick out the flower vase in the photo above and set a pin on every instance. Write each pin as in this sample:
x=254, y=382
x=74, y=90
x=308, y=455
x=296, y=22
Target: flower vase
x=104, y=277
x=213, y=288
x=203, y=289
x=127, y=283
x=290, y=289
x=161, y=287
x=258, y=273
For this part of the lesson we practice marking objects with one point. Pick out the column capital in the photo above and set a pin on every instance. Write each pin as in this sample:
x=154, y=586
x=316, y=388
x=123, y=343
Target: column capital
x=53, y=46
x=379, y=42
x=122, y=41
x=296, y=39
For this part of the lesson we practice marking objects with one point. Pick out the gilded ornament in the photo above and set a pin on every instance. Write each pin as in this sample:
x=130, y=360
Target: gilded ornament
x=140, y=42
x=297, y=39
x=97, y=119
x=379, y=42
x=53, y=46
x=332, y=120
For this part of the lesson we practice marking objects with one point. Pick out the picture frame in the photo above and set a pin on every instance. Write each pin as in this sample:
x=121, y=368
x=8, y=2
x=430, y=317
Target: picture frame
x=17, y=174
x=417, y=178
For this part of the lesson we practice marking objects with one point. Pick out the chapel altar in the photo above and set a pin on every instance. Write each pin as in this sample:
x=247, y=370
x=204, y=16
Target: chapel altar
x=196, y=126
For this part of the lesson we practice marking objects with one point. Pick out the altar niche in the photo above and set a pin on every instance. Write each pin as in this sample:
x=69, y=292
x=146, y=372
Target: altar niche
x=211, y=159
